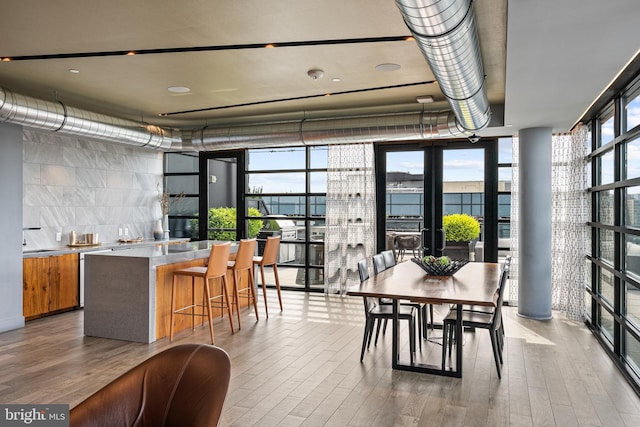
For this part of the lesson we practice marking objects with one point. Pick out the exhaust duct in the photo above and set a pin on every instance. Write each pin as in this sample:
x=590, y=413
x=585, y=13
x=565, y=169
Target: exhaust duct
x=389, y=127
x=446, y=33
x=57, y=117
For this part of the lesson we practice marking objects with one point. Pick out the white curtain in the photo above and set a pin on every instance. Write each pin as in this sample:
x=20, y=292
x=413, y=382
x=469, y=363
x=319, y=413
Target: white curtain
x=351, y=214
x=570, y=213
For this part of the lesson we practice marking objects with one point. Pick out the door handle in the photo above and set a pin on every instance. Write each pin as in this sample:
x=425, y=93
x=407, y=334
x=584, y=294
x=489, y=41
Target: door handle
x=423, y=238
x=444, y=240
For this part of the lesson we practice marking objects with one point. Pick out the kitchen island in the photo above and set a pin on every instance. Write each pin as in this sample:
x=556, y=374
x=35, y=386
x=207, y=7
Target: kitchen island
x=128, y=292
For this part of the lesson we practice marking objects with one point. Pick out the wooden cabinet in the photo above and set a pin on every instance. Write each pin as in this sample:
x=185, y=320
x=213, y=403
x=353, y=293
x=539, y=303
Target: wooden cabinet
x=50, y=284
x=35, y=286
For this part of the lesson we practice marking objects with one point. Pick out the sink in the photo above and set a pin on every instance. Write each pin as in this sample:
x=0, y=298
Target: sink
x=36, y=251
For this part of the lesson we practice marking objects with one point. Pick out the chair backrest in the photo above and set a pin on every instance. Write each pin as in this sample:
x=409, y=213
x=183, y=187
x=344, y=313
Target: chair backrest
x=378, y=263
x=363, y=270
x=389, y=258
x=270, y=255
x=497, y=314
x=244, y=257
x=185, y=385
x=218, y=258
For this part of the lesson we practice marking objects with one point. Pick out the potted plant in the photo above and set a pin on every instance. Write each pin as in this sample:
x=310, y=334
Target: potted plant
x=461, y=232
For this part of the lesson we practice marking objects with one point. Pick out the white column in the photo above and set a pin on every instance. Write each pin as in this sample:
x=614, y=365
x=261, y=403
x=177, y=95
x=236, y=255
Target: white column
x=11, y=214
x=534, y=244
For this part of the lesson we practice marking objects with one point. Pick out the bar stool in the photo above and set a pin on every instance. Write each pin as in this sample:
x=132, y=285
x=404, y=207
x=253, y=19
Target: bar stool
x=216, y=269
x=269, y=258
x=243, y=261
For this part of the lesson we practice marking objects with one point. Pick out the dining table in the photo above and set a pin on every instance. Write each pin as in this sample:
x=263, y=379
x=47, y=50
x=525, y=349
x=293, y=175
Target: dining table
x=473, y=284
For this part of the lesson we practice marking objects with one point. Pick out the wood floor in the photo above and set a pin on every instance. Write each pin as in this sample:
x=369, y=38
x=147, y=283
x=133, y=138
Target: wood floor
x=301, y=367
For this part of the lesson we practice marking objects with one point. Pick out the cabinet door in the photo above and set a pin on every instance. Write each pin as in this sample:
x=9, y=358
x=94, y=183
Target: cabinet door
x=63, y=281
x=35, y=286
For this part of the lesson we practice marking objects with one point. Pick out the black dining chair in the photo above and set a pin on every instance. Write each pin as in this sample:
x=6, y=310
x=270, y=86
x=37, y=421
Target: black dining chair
x=474, y=319
x=375, y=312
x=386, y=260
x=379, y=264
x=482, y=309
x=389, y=258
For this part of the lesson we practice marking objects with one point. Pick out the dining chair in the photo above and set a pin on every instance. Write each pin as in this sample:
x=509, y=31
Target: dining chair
x=215, y=269
x=385, y=260
x=379, y=264
x=490, y=321
x=481, y=309
x=269, y=258
x=243, y=262
x=374, y=312
x=389, y=258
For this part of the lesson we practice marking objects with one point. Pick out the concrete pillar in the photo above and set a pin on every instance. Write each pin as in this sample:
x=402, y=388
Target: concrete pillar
x=11, y=214
x=534, y=236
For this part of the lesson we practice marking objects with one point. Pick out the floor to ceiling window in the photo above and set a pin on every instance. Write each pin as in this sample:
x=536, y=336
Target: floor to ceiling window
x=613, y=293
x=284, y=192
x=286, y=187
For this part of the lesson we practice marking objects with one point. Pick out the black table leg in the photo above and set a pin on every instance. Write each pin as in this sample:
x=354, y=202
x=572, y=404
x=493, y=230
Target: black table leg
x=459, y=340
x=395, y=347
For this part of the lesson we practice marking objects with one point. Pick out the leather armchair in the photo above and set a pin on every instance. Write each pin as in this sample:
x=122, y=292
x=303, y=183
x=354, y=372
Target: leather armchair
x=185, y=385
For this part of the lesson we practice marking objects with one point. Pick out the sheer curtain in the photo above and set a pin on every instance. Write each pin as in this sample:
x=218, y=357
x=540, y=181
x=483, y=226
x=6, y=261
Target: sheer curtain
x=570, y=213
x=351, y=213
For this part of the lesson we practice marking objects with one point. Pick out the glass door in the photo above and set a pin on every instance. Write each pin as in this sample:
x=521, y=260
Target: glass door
x=221, y=211
x=422, y=187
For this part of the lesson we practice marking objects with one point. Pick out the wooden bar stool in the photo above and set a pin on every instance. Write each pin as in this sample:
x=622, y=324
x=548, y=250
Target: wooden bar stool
x=269, y=258
x=243, y=261
x=216, y=269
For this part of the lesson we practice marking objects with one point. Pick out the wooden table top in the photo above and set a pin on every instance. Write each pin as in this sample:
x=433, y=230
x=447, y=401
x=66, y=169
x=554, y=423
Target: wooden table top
x=473, y=284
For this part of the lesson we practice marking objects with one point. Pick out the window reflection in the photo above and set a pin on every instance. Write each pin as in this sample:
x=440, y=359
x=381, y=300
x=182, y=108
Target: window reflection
x=632, y=110
x=606, y=167
x=606, y=130
x=632, y=158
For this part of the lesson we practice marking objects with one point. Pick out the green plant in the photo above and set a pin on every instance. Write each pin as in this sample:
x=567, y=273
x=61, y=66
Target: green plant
x=222, y=224
x=460, y=227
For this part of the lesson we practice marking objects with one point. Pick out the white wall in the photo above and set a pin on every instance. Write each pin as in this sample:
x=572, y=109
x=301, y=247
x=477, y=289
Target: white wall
x=11, y=214
x=71, y=183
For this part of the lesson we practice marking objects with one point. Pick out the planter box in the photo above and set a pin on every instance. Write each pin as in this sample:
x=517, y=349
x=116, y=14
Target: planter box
x=459, y=250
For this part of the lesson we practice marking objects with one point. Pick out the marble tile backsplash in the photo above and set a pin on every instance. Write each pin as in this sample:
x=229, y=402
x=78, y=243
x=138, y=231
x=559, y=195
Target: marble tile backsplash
x=87, y=186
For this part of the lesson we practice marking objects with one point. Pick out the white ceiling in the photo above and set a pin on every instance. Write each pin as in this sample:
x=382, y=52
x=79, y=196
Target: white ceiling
x=545, y=60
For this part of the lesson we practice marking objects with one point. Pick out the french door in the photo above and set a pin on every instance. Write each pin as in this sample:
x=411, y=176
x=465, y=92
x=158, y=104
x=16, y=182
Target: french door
x=222, y=188
x=418, y=185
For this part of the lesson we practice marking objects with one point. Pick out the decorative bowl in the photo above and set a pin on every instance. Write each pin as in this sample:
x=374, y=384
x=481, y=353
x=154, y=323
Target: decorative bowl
x=435, y=269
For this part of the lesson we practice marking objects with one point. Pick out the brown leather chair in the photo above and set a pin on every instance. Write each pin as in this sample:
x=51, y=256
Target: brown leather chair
x=185, y=385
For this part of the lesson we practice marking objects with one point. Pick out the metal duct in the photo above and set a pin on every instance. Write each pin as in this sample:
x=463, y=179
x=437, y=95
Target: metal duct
x=390, y=127
x=56, y=117
x=446, y=33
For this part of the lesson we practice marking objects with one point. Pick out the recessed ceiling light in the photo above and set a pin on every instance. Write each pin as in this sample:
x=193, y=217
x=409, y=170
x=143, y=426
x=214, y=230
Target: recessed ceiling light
x=387, y=67
x=178, y=89
x=74, y=71
x=336, y=79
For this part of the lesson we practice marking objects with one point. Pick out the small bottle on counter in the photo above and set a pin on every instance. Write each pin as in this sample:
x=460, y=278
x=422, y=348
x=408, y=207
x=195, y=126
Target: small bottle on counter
x=72, y=238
